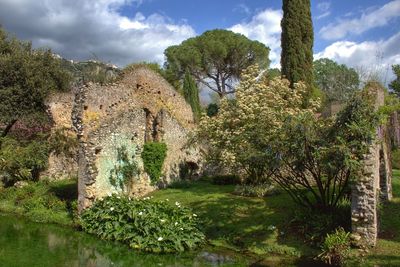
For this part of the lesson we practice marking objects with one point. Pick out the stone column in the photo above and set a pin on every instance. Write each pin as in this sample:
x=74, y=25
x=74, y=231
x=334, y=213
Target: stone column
x=364, y=201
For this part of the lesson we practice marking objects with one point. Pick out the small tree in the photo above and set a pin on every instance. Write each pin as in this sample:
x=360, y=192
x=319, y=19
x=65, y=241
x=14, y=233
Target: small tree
x=338, y=82
x=191, y=94
x=319, y=157
x=215, y=59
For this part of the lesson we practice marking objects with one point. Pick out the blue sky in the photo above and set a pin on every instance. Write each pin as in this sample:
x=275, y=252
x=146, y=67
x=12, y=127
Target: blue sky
x=359, y=33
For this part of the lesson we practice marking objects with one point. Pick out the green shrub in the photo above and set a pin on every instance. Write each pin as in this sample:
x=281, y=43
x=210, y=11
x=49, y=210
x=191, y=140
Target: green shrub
x=41, y=202
x=396, y=159
x=143, y=224
x=22, y=161
x=261, y=190
x=229, y=179
x=153, y=156
x=336, y=247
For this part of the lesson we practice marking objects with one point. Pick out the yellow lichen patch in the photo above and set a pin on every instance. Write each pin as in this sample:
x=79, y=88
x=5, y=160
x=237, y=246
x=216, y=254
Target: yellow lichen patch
x=91, y=117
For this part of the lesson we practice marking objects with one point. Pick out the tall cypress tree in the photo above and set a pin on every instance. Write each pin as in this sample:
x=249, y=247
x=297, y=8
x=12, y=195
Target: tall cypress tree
x=297, y=42
x=191, y=94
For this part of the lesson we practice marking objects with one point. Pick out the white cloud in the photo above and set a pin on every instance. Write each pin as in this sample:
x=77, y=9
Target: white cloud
x=77, y=29
x=369, y=19
x=324, y=6
x=264, y=27
x=373, y=56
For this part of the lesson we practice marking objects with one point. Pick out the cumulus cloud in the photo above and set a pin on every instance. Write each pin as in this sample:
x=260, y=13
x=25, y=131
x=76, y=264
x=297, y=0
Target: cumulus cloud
x=369, y=56
x=370, y=19
x=264, y=27
x=79, y=29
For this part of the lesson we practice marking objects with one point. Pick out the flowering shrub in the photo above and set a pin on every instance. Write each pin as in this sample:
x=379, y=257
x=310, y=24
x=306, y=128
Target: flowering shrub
x=143, y=224
x=241, y=134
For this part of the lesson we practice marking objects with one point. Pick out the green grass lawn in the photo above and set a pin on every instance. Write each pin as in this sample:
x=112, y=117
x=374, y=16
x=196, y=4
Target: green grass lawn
x=249, y=225
x=258, y=225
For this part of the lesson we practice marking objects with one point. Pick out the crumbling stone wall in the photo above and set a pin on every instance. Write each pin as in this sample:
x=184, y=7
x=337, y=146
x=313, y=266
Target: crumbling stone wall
x=374, y=185
x=60, y=108
x=141, y=107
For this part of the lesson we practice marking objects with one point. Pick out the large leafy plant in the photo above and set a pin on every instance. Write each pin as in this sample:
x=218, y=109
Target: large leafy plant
x=153, y=155
x=144, y=224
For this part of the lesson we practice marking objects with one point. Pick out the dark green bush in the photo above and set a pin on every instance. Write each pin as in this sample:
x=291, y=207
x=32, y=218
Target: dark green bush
x=336, y=247
x=229, y=179
x=180, y=184
x=143, y=224
x=396, y=159
x=153, y=156
x=261, y=190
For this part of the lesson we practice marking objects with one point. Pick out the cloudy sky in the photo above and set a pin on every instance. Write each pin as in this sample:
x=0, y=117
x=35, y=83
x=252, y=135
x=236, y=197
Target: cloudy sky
x=359, y=33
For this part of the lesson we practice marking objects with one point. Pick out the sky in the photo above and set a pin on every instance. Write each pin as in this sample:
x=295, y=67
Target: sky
x=364, y=34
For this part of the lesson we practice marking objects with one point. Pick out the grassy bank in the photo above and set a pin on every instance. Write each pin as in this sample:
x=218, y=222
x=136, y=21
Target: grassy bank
x=47, y=202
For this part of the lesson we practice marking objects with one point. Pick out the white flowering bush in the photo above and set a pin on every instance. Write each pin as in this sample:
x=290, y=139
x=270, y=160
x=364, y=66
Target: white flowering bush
x=144, y=224
x=242, y=134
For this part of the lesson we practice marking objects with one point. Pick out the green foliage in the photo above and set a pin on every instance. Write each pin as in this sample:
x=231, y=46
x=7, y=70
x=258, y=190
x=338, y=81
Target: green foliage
x=125, y=170
x=338, y=82
x=297, y=42
x=62, y=142
x=212, y=110
x=395, y=84
x=42, y=201
x=22, y=160
x=143, y=224
x=191, y=94
x=396, y=159
x=153, y=156
x=324, y=155
x=256, y=190
x=228, y=179
x=312, y=225
x=27, y=77
x=242, y=133
x=336, y=247
x=216, y=59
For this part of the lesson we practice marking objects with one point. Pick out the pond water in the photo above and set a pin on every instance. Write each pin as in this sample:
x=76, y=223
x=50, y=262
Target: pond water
x=27, y=244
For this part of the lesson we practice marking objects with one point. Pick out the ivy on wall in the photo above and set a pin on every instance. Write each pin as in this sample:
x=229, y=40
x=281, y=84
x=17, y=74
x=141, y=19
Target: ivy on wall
x=153, y=156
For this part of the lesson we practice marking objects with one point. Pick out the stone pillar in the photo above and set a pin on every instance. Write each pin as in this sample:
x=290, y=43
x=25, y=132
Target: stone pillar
x=364, y=201
x=385, y=166
x=374, y=174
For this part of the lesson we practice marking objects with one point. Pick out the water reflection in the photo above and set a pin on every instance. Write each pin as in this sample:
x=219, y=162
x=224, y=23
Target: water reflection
x=24, y=243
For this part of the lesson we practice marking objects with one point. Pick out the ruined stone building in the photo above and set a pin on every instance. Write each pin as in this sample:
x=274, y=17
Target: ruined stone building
x=119, y=118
